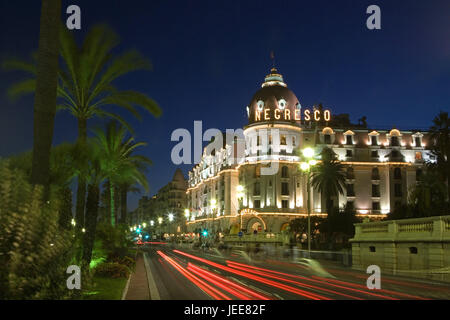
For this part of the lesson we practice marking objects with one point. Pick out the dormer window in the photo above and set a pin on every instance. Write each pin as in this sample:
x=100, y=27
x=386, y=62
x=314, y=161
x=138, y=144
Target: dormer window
x=348, y=140
x=281, y=104
x=374, y=140
x=394, y=141
x=418, y=141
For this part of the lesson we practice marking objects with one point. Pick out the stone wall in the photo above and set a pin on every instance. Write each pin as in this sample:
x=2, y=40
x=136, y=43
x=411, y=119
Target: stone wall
x=411, y=247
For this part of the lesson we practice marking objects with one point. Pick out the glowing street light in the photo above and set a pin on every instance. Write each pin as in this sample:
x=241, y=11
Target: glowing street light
x=308, y=152
x=152, y=223
x=304, y=166
x=144, y=224
x=170, y=217
x=186, y=213
x=160, y=220
x=213, y=203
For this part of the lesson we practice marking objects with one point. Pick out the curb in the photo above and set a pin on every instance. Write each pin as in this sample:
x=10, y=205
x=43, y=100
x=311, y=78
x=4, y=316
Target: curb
x=153, y=290
x=125, y=290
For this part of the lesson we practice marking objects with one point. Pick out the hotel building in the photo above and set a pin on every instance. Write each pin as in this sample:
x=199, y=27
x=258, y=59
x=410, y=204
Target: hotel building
x=254, y=181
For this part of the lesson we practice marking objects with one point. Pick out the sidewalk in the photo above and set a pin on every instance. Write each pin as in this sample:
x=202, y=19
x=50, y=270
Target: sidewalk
x=138, y=287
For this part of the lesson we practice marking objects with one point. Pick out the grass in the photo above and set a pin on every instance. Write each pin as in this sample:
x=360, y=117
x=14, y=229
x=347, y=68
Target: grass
x=106, y=289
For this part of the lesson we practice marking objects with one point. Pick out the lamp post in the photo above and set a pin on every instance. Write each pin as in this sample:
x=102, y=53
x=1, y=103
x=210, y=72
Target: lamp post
x=308, y=154
x=170, y=217
x=213, y=210
x=240, y=196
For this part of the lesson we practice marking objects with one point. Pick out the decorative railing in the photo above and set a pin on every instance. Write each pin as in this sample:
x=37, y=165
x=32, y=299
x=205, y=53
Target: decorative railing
x=416, y=227
x=374, y=228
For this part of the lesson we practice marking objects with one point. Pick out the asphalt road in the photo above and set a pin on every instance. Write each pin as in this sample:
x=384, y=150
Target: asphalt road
x=186, y=274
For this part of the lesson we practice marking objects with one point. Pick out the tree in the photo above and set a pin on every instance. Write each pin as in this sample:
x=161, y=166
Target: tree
x=86, y=85
x=440, y=138
x=329, y=177
x=45, y=97
x=118, y=163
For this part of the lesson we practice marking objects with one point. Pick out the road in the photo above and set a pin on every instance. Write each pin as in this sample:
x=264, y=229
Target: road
x=186, y=274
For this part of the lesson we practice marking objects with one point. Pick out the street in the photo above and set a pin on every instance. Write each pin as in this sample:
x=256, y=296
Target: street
x=187, y=274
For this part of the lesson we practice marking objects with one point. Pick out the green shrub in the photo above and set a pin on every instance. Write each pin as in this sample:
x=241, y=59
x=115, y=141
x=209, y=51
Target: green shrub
x=34, y=250
x=125, y=260
x=112, y=270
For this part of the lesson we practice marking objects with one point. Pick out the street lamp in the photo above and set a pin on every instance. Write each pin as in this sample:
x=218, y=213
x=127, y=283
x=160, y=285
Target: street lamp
x=308, y=154
x=213, y=203
x=240, y=196
x=152, y=223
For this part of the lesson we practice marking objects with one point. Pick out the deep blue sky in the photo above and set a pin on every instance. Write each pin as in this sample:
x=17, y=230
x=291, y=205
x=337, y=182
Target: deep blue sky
x=210, y=57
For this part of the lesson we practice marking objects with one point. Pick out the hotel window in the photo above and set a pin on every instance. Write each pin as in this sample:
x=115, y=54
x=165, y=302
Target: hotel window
x=283, y=140
x=350, y=173
x=284, y=172
x=375, y=174
x=350, y=190
x=397, y=173
x=350, y=205
x=419, y=174
x=257, y=204
x=270, y=183
x=397, y=190
x=394, y=141
x=348, y=153
x=284, y=189
x=256, y=189
x=270, y=139
x=374, y=154
x=257, y=171
x=327, y=138
x=375, y=190
x=419, y=155
x=284, y=204
x=349, y=139
x=374, y=141
x=375, y=205
x=258, y=140
x=418, y=141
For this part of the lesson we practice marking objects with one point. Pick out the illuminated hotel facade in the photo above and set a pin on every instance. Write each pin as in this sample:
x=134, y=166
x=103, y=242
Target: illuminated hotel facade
x=233, y=188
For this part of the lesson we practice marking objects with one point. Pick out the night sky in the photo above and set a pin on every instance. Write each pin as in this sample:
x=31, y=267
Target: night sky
x=210, y=57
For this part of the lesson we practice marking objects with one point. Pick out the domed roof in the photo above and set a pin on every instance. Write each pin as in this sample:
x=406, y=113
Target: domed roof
x=273, y=95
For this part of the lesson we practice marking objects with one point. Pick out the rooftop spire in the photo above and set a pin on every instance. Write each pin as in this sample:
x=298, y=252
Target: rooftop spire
x=273, y=79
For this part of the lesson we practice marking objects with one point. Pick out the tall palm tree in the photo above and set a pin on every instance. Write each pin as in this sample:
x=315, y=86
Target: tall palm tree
x=329, y=177
x=86, y=85
x=45, y=97
x=118, y=163
x=440, y=137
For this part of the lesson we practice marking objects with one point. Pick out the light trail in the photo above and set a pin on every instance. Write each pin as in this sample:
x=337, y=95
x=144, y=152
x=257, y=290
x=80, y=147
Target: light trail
x=297, y=291
x=380, y=290
x=267, y=274
x=253, y=294
x=213, y=292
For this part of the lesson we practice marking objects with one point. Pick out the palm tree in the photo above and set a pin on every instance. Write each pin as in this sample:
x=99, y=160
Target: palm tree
x=329, y=177
x=45, y=97
x=85, y=86
x=118, y=163
x=440, y=137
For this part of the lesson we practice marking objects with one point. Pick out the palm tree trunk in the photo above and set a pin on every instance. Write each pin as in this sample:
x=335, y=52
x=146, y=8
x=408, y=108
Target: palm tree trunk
x=81, y=189
x=91, y=223
x=111, y=190
x=46, y=86
x=123, y=204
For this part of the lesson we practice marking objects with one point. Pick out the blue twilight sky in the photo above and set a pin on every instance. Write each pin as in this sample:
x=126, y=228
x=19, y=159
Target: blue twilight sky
x=210, y=57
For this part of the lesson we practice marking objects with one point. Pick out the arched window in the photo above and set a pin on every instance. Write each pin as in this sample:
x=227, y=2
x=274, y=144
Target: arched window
x=397, y=173
x=284, y=172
